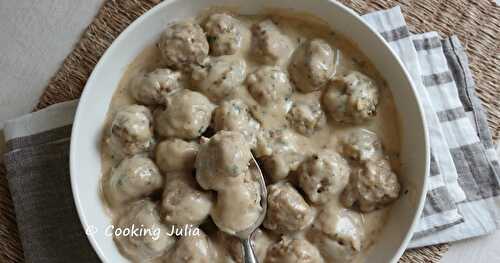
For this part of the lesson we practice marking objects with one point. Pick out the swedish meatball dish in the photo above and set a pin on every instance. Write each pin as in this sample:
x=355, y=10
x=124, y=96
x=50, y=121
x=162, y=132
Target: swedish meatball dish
x=216, y=92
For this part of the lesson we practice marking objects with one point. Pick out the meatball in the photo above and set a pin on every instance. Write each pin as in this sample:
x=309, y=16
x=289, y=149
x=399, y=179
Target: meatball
x=293, y=250
x=223, y=34
x=174, y=155
x=351, y=99
x=234, y=115
x=184, y=203
x=362, y=145
x=154, y=243
x=269, y=45
x=372, y=186
x=312, y=65
x=191, y=249
x=274, y=140
x=268, y=85
x=338, y=234
x=183, y=44
x=262, y=241
x=306, y=118
x=223, y=160
x=133, y=178
x=280, y=164
x=237, y=207
x=186, y=116
x=323, y=176
x=230, y=249
x=220, y=77
x=149, y=88
x=279, y=153
x=286, y=209
x=131, y=131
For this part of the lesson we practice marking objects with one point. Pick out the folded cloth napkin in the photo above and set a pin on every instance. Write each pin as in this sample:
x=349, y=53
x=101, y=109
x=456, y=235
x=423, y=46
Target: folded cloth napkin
x=37, y=162
x=463, y=197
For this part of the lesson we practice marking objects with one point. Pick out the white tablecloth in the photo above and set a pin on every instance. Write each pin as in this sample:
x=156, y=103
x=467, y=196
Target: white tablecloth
x=35, y=37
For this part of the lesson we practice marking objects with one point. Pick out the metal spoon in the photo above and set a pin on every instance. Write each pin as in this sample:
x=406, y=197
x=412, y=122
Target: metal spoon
x=246, y=235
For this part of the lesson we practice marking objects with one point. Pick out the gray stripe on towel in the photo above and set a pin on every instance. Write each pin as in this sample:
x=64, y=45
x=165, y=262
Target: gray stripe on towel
x=438, y=200
x=427, y=43
x=396, y=34
x=475, y=174
x=437, y=79
x=434, y=166
x=451, y=114
x=437, y=229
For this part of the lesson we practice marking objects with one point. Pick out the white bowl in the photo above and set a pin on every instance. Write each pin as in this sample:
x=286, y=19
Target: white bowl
x=85, y=159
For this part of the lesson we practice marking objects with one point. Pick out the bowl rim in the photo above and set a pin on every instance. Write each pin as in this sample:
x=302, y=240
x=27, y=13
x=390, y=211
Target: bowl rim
x=86, y=91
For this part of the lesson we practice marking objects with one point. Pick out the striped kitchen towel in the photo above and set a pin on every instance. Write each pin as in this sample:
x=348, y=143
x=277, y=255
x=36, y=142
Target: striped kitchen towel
x=464, y=190
x=463, y=198
x=459, y=111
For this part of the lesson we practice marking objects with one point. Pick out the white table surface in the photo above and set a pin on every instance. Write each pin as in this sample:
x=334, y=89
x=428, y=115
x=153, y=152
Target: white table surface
x=35, y=37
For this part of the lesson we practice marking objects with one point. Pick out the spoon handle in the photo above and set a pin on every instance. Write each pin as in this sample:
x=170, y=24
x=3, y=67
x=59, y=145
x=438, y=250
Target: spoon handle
x=248, y=251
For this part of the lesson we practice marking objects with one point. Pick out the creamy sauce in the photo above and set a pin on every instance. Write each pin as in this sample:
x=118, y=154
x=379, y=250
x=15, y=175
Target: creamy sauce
x=348, y=58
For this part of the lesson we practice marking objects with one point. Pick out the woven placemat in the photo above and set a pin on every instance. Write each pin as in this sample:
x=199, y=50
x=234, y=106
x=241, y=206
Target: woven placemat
x=475, y=22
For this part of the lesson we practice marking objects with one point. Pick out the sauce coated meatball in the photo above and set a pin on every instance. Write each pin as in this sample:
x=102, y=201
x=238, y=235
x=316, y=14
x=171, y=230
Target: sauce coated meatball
x=275, y=140
x=183, y=44
x=237, y=207
x=149, y=88
x=371, y=187
x=131, y=131
x=223, y=34
x=234, y=115
x=184, y=203
x=154, y=243
x=312, y=65
x=362, y=145
x=279, y=153
x=231, y=251
x=174, y=155
x=133, y=178
x=279, y=165
x=269, y=45
x=286, y=209
x=338, y=234
x=306, y=118
x=323, y=176
x=269, y=85
x=220, y=77
x=223, y=160
x=191, y=249
x=293, y=250
x=187, y=115
x=351, y=99
x=262, y=241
